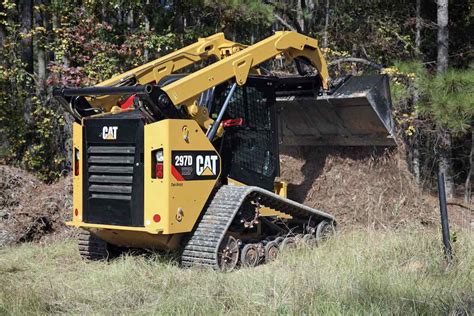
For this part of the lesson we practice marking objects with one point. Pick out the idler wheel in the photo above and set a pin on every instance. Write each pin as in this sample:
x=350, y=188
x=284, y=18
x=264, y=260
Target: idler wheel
x=324, y=231
x=228, y=255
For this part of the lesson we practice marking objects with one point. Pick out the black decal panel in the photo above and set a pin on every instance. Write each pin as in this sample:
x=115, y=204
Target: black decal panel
x=195, y=165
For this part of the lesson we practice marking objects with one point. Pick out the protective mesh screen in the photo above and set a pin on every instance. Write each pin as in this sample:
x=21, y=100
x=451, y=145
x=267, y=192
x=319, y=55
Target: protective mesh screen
x=249, y=151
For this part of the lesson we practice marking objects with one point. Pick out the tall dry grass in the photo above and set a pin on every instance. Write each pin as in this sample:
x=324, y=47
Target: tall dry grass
x=377, y=272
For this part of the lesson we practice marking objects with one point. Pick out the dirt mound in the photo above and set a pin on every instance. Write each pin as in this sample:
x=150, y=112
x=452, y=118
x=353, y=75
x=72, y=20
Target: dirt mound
x=30, y=209
x=360, y=186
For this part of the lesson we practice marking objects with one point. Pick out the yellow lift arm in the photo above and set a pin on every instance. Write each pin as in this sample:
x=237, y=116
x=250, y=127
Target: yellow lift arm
x=215, y=45
x=234, y=61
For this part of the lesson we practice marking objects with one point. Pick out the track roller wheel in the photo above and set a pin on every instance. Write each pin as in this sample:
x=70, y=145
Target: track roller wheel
x=309, y=240
x=92, y=247
x=271, y=251
x=288, y=243
x=279, y=240
x=324, y=231
x=299, y=240
x=249, y=255
x=228, y=255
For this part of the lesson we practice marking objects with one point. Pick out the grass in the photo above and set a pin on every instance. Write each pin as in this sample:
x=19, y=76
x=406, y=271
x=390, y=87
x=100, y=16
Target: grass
x=358, y=272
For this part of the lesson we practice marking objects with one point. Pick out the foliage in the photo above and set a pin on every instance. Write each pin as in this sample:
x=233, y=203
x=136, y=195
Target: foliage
x=449, y=98
x=85, y=42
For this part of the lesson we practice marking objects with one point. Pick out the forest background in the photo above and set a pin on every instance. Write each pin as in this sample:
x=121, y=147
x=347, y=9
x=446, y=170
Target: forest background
x=424, y=45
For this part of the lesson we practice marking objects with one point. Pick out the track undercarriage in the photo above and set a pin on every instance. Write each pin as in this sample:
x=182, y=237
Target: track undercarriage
x=231, y=233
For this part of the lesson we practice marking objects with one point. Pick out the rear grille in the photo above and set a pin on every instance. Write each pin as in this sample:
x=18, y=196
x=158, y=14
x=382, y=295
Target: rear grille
x=113, y=170
x=110, y=171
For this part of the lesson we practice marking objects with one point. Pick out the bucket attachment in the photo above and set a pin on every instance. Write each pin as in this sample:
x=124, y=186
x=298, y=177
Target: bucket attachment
x=356, y=113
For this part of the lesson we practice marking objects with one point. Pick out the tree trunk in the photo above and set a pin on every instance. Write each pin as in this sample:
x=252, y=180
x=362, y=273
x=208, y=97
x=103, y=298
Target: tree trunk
x=443, y=36
x=353, y=65
x=179, y=21
x=3, y=35
x=444, y=136
x=468, y=183
x=416, y=161
x=3, y=32
x=445, y=159
x=130, y=20
x=418, y=28
x=26, y=16
x=326, y=26
x=146, y=53
x=41, y=21
x=415, y=145
x=308, y=21
x=41, y=57
x=300, y=14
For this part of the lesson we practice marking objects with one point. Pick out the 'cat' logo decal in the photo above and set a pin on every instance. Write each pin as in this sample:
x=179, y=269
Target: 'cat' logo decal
x=195, y=165
x=109, y=132
x=206, y=165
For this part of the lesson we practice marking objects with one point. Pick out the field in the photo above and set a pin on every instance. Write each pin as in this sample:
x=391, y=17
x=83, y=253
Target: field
x=359, y=271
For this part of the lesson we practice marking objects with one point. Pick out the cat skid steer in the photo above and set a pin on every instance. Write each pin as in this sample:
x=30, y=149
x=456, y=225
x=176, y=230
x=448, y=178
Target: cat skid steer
x=182, y=161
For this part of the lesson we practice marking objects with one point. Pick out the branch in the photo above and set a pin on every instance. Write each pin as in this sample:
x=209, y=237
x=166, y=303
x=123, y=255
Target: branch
x=461, y=205
x=355, y=60
x=282, y=21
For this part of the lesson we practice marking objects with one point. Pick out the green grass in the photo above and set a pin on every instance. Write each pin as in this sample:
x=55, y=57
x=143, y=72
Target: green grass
x=357, y=272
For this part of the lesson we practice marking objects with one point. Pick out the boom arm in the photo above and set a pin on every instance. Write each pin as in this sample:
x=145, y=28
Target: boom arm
x=215, y=45
x=293, y=45
x=238, y=65
x=234, y=61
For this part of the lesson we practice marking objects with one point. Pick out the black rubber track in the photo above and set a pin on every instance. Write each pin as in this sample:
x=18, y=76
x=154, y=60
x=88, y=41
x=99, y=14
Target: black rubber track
x=203, y=246
x=91, y=247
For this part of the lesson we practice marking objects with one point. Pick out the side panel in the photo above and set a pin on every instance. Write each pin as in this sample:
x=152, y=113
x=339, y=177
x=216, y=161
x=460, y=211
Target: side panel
x=77, y=180
x=178, y=198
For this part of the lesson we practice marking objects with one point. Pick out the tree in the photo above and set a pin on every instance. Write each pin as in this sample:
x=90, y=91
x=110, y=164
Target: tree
x=448, y=99
x=326, y=26
x=470, y=173
x=70, y=42
x=444, y=135
x=3, y=32
x=443, y=36
x=417, y=27
x=26, y=17
x=41, y=21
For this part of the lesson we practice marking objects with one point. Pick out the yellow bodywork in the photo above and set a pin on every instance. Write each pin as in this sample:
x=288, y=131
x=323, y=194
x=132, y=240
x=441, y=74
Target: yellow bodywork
x=77, y=180
x=168, y=197
x=180, y=203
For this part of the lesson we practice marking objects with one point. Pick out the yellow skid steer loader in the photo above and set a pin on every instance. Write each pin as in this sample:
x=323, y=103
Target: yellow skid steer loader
x=176, y=161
